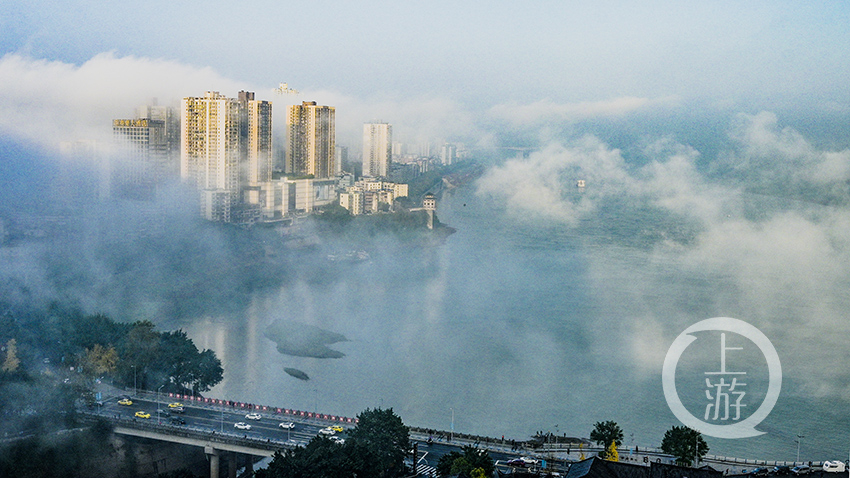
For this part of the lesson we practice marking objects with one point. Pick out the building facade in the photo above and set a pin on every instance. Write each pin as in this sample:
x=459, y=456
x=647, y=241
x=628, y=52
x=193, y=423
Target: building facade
x=377, y=149
x=226, y=153
x=311, y=137
x=141, y=159
x=256, y=136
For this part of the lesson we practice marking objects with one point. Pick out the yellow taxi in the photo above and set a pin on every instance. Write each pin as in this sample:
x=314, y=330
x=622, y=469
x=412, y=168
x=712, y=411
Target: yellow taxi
x=175, y=405
x=125, y=401
x=336, y=428
x=141, y=414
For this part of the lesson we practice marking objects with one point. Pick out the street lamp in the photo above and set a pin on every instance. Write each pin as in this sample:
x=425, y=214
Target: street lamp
x=799, y=440
x=452, y=430
x=158, y=406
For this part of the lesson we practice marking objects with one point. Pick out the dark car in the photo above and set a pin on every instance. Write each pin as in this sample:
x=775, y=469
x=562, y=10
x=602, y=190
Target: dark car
x=781, y=470
x=177, y=421
x=801, y=470
x=761, y=471
x=518, y=462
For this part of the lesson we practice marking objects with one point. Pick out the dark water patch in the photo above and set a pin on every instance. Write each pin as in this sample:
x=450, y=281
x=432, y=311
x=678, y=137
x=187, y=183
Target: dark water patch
x=303, y=340
x=299, y=374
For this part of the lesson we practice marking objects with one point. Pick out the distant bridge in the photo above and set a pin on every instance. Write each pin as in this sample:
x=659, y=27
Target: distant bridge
x=215, y=444
x=208, y=431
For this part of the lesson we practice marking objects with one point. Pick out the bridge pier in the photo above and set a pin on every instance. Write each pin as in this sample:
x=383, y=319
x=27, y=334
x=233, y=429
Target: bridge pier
x=212, y=453
x=232, y=464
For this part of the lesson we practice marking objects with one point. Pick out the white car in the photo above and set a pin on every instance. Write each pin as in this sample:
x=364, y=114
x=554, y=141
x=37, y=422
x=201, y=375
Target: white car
x=834, y=466
x=327, y=431
x=242, y=426
x=287, y=425
x=253, y=416
x=529, y=460
x=338, y=440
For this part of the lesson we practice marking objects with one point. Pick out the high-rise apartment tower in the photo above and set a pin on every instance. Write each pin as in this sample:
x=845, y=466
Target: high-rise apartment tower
x=225, y=149
x=311, y=138
x=377, y=149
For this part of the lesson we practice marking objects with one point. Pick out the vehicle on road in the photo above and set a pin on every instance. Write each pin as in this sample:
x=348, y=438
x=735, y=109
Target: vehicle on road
x=327, y=431
x=178, y=410
x=337, y=428
x=338, y=440
x=163, y=413
x=287, y=425
x=781, y=470
x=253, y=416
x=175, y=405
x=177, y=421
x=516, y=462
x=529, y=460
x=125, y=401
x=801, y=470
x=141, y=414
x=242, y=426
x=760, y=471
x=834, y=466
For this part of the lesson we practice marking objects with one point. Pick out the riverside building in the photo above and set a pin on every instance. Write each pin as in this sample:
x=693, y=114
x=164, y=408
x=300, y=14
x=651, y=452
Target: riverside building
x=311, y=138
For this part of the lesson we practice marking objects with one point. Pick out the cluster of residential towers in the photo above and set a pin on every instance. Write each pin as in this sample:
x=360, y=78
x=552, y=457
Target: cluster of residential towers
x=226, y=152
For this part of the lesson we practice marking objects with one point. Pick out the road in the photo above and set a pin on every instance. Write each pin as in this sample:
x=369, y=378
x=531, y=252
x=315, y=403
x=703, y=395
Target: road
x=220, y=421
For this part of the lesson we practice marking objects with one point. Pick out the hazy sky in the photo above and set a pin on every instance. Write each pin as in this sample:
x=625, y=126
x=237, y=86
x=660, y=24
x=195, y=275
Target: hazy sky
x=522, y=61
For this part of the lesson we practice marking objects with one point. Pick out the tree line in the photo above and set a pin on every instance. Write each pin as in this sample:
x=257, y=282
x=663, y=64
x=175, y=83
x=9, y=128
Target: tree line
x=60, y=351
x=683, y=443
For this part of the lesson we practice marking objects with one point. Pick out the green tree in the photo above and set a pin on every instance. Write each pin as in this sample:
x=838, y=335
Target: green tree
x=684, y=444
x=383, y=432
x=604, y=433
x=376, y=447
x=321, y=458
x=466, y=463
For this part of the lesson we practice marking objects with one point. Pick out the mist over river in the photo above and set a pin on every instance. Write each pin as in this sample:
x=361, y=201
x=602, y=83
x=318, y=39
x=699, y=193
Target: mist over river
x=550, y=308
x=521, y=324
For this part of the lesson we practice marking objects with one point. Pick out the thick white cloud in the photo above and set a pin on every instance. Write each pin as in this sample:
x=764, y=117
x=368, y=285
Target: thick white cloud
x=544, y=185
x=777, y=261
x=773, y=153
x=49, y=102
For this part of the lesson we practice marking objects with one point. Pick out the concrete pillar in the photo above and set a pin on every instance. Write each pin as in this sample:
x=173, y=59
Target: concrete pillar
x=212, y=453
x=232, y=464
x=249, y=465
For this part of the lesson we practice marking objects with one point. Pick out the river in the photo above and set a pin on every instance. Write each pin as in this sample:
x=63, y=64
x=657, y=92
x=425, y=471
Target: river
x=518, y=324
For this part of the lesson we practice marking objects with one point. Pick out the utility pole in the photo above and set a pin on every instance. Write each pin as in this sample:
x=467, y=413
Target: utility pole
x=799, y=440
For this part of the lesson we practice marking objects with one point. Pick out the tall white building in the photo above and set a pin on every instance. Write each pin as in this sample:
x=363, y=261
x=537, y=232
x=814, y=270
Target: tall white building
x=225, y=148
x=209, y=145
x=377, y=149
x=448, y=154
